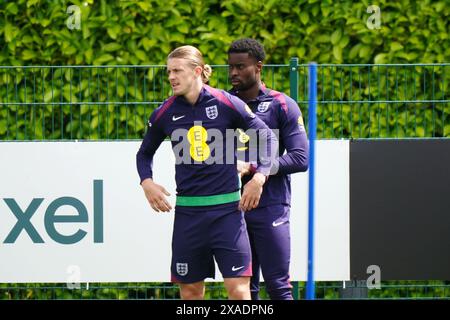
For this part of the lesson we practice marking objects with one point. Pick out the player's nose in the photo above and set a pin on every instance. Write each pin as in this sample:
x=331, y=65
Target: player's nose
x=233, y=72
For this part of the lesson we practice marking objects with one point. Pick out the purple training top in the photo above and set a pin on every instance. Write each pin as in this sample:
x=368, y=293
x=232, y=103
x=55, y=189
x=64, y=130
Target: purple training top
x=215, y=111
x=280, y=112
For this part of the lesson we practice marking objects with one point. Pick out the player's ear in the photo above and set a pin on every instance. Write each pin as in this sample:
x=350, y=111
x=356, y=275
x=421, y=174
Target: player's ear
x=259, y=66
x=198, y=71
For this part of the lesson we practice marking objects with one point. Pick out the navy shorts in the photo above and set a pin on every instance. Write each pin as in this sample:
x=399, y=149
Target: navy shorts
x=202, y=234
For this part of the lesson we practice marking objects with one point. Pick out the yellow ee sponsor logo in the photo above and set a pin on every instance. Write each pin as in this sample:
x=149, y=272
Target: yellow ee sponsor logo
x=243, y=138
x=199, y=150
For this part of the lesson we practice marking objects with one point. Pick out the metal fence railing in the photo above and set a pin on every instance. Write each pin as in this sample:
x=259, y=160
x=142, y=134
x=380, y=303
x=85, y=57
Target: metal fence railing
x=379, y=101
x=41, y=103
x=167, y=291
x=114, y=102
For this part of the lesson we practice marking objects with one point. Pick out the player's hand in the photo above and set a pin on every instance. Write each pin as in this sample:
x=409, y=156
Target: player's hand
x=252, y=192
x=243, y=168
x=156, y=196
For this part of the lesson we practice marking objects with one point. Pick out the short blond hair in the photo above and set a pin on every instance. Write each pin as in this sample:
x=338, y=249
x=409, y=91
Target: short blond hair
x=195, y=58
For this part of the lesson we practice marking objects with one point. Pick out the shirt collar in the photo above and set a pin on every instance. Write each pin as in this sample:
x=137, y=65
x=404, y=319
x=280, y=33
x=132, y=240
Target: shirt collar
x=202, y=94
x=262, y=93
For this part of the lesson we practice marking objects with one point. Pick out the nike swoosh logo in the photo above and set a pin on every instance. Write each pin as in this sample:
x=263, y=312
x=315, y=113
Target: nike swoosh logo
x=236, y=269
x=276, y=224
x=177, y=118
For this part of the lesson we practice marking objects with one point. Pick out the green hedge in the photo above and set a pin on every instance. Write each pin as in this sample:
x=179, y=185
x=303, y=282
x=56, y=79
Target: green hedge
x=143, y=32
x=34, y=32
x=324, y=290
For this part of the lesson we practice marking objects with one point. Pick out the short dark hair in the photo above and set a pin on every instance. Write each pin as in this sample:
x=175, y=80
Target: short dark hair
x=250, y=46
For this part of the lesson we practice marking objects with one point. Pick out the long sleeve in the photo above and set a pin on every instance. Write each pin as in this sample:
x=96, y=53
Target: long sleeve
x=152, y=140
x=294, y=138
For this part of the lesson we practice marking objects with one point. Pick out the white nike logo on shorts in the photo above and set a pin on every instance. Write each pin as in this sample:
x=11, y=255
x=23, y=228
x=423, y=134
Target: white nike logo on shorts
x=276, y=224
x=236, y=269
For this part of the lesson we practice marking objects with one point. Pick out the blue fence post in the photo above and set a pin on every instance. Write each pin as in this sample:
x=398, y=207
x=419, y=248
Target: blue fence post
x=312, y=126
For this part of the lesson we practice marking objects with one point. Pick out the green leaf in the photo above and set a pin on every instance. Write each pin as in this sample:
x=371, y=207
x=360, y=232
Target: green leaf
x=31, y=3
x=304, y=17
x=45, y=22
x=183, y=27
x=120, y=91
x=412, y=56
x=344, y=41
x=352, y=20
x=141, y=55
x=323, y=38
x=51, y=95
x=420, y=131
x=28, y=54
x=336, y=36
x=145, y=6
x=102, y=59
x=325, y=10
x=439, y=6
x=365, y=52
x=337, y=53
x=265, y=34
x=447, y=130
x=311, y=28
x=37, y=39
x=3, y=127
x=88, y=54
x=112, y=46
x=12, y=8
x=395, y=46
x=315, y=9
x=354, y=51
x=69, y=50
x=9, y=32
x=301, y=52
x=94, y=123
x=113, y=31
x=380, y=58
x=27, y=39
x=148, y=43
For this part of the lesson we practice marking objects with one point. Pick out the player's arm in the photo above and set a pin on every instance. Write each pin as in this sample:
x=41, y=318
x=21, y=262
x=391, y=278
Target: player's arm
x=243, y=167
x=155, y=193
x=293, y=134
x=253, y=189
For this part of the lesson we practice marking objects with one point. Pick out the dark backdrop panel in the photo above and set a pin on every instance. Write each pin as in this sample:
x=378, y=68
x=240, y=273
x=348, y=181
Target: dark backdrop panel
x=400, y=208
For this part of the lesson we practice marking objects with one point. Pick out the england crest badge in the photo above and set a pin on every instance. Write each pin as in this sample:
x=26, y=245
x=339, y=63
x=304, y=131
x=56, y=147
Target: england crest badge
x=182, y=268
x=212, y=112
x=263, y=106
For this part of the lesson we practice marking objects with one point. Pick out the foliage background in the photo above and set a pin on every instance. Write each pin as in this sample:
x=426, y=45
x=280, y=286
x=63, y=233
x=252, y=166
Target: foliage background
x=102, y=103
x=34, y=32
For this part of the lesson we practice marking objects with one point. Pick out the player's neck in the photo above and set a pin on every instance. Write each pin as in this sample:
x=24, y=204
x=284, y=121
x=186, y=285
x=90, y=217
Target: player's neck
x=193, y=94
x=251, y=93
